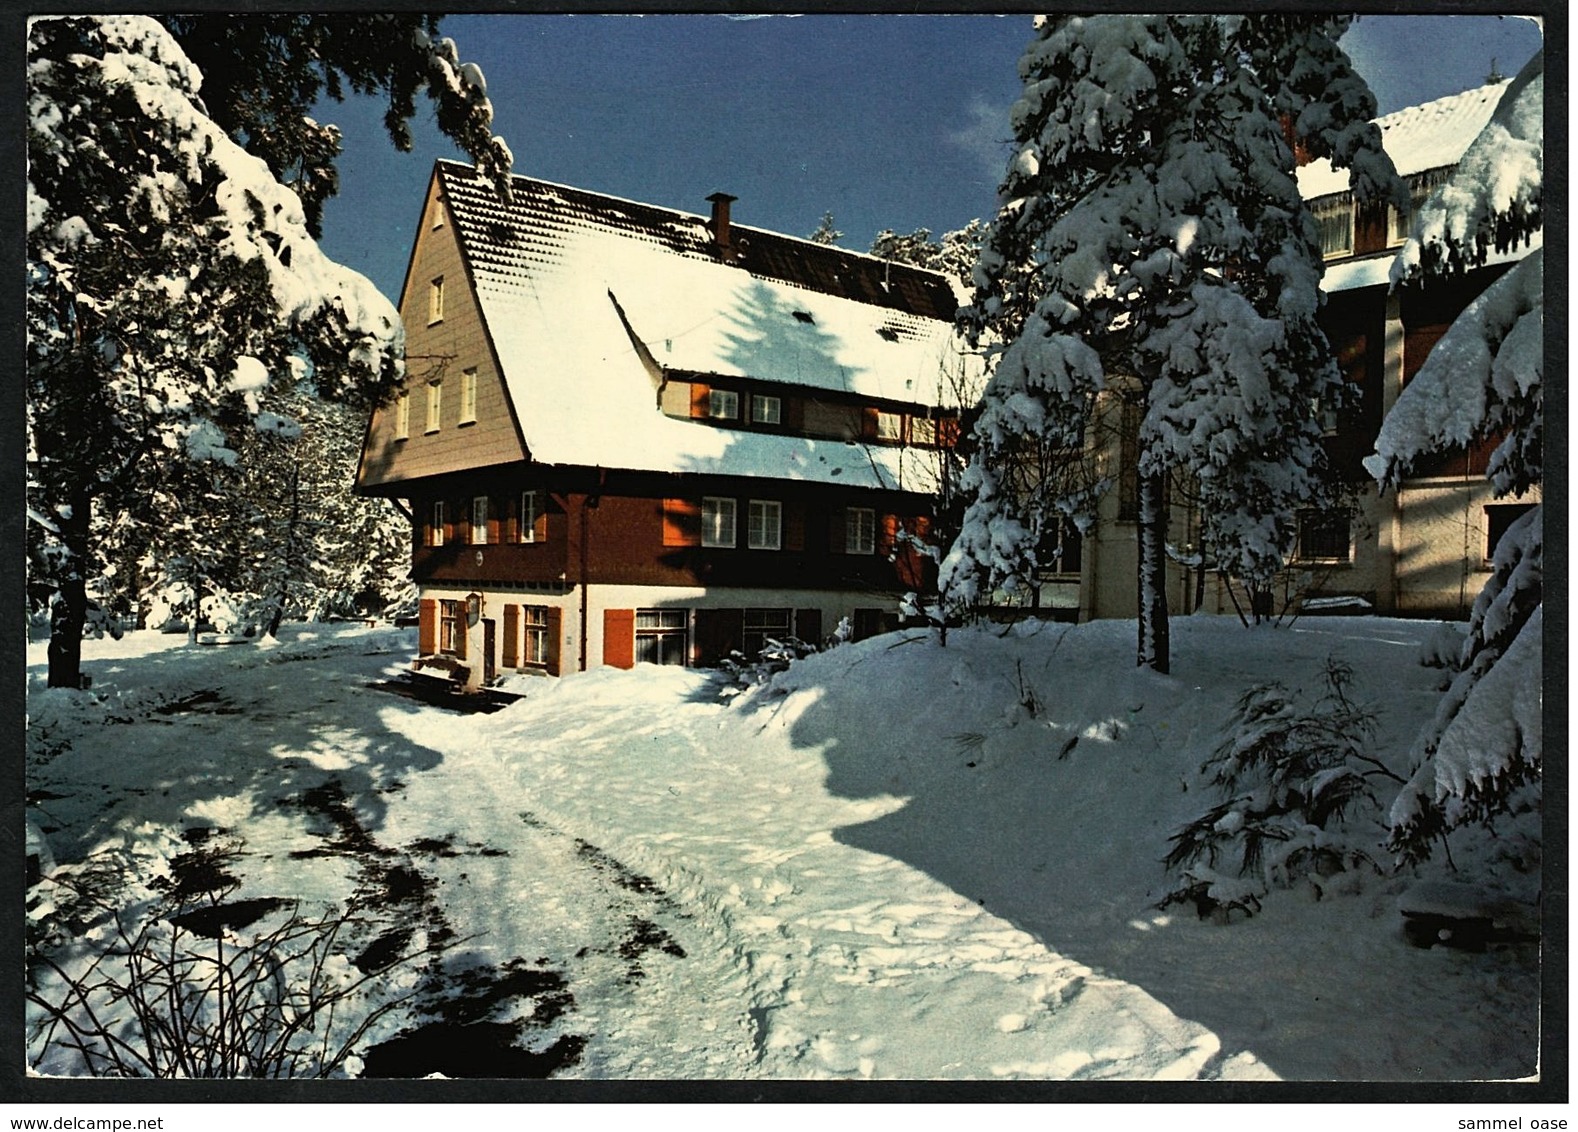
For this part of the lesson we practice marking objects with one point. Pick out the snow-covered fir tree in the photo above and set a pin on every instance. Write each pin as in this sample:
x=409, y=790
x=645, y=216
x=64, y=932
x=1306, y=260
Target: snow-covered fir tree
x=1481, y=755
x=1151, y=247
x=955, y=254
x=263, y=72
x=825, y=232
x=174, y=291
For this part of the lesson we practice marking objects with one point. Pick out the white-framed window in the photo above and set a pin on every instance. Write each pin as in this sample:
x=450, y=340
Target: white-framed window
x=1334, y=218
x=435, y=300
x=860, y=531
x=435, y=404
x=435, y=531
x=662, y=636
x=923, y=430
x=723, y=404
x=1324, y=536
x=452, y=627
x=532, y=528
x=479, y=520
x=403, y=415
x=468, y=396
x=761, y=626
x=890, y=426
x=766, y=410
x=764, y=524
x=717, y=521
x=1420, y=187
x=1397, y=225
x=534, y=618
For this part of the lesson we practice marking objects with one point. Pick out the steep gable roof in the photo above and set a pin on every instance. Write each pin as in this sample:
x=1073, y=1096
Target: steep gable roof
x=1420, y=138
x=581, y=293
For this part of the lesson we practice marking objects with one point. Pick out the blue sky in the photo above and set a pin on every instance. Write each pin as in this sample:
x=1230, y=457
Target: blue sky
x=886, y=121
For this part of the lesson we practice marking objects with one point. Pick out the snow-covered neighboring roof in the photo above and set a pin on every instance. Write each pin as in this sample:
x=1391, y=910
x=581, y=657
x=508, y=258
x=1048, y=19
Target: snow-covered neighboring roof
x=1417, y=138
x=569, y=281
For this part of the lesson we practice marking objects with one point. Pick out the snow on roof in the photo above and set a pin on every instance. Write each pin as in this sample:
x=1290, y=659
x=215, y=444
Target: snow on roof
x=1418, y=138
x=569, y=282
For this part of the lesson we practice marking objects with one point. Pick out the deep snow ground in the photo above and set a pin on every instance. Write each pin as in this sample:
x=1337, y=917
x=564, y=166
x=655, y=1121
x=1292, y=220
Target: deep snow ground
x=883, y=865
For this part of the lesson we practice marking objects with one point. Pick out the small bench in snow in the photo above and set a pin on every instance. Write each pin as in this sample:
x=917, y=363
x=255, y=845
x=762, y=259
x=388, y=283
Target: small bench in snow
x=1465, y=917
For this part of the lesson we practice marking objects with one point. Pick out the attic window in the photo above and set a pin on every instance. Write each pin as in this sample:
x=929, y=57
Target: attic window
x=803, y=316
x=435, y=300
x=888, y=332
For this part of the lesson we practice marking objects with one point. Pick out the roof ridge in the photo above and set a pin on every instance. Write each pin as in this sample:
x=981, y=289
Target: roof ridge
x=1462, y=95
x=701, y=218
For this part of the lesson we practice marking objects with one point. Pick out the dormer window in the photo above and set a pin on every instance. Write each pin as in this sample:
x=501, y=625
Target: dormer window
x=890, y=426
x=723, y=404
x=766, y=410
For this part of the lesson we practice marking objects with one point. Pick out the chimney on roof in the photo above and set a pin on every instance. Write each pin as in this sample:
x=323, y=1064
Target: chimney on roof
x=719, y=224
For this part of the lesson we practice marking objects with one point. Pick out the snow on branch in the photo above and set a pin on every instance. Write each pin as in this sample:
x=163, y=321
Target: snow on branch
x=1494, y=199
x=1483, y=378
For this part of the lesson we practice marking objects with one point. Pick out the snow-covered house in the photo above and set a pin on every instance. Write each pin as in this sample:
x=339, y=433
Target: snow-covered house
x=632, y=434
x=1424, y=549
x=1427, y=547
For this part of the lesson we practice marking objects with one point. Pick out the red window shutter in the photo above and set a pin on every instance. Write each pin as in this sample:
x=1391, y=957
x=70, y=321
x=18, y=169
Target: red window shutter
x=556, y=636
x=700, y=399
x=512, y=634
x=619, y=638
x=463, y=637
x=1418, y=341
x=836, y=531
x=427, y=627
x=868, y=423
x=681, y=522
x=540, y=525
x=887, y=534
x=948, y=432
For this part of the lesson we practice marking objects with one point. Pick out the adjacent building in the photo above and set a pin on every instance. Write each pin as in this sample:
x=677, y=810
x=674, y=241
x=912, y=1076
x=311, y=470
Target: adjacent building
x=1424, y=550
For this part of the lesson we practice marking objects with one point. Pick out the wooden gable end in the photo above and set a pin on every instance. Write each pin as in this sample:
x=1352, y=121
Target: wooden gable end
x=458, y=413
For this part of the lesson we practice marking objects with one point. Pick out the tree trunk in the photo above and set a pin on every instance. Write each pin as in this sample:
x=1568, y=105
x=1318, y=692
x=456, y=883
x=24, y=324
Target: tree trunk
x=1154, y=646
x=69, y=612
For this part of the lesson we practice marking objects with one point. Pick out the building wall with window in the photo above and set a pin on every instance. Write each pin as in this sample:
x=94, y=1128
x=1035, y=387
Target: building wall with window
x=450, y=366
